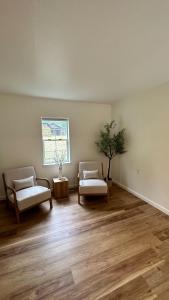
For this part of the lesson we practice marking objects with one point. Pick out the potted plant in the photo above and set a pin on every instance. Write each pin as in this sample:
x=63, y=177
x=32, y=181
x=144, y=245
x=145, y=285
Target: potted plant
x=111, y=143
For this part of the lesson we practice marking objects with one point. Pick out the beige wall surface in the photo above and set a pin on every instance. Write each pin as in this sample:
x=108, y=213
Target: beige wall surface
x=145, y=166
x=20, y=132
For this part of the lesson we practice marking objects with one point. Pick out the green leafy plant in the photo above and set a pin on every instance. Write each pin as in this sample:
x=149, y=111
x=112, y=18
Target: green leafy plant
x=110, y=143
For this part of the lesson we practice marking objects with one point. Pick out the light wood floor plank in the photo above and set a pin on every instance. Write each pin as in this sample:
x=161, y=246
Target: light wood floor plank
x=100, y=250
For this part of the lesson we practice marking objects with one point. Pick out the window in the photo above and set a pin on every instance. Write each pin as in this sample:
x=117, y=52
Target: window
x=55, y=137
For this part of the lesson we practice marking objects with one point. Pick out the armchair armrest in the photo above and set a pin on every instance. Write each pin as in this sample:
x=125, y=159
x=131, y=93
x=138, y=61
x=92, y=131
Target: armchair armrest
x=44, y=179
x=12, y=190
x=78, y=178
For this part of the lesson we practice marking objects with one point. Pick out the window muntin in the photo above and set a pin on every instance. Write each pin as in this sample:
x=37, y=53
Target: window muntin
x=55, y=138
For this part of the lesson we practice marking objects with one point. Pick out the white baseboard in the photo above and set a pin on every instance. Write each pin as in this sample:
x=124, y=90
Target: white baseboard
x=144, y=198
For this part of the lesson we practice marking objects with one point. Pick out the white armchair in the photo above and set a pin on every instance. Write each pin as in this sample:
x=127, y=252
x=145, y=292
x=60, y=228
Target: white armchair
x=22, y=189
x=90, y=179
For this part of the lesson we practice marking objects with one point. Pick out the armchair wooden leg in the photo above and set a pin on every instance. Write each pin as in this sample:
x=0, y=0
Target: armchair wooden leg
x=51, y=204
x=78, y=198
x=17, y=216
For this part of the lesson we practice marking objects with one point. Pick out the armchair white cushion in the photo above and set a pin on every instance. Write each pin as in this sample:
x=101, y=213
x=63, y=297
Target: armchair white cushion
x=92, y=186
x=19, y=173
x=90, y=166
x=96, y=186
x=31, y=196
x=26, y=197
x=90, y=174
x=21, y=184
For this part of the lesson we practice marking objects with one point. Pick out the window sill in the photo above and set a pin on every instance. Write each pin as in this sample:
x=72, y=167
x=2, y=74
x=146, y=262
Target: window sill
x=55, y=164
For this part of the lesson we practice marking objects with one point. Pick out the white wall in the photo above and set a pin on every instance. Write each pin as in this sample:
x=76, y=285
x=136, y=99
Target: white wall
x=145, y=167
x=20, y=132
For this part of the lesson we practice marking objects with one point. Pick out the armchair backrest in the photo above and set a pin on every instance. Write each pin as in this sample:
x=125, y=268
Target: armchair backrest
x=18, y=173
x=89, y=166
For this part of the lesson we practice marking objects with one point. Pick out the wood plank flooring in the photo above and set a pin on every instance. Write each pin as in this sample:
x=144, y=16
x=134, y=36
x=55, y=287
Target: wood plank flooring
x=99, y=250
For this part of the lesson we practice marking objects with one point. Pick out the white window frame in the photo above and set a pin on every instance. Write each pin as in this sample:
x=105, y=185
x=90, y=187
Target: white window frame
x=68, y=139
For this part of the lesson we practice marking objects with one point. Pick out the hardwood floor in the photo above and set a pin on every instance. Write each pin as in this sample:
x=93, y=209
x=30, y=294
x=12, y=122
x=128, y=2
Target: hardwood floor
x=115, y=250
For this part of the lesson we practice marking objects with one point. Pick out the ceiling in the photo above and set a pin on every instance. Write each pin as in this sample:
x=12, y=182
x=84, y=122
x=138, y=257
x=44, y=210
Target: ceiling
x=90, y=50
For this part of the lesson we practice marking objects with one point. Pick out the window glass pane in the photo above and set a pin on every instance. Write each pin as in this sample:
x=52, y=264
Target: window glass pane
x=54, y=129
x=54, y=151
